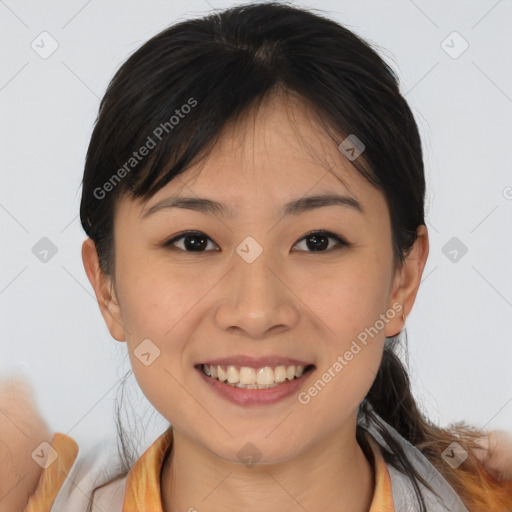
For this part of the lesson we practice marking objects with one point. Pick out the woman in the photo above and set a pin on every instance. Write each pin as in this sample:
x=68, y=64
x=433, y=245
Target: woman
x=254, y=200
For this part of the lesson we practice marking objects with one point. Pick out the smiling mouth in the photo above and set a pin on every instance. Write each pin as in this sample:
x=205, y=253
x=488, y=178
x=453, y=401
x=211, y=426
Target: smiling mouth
x=246, y=377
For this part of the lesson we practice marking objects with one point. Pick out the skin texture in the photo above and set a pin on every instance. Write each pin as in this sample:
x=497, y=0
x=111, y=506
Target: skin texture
x=22, y=429
x=290, y=301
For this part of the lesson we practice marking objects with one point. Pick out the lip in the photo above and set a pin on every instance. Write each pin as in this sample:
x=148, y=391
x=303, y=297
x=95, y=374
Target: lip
x=248, y=397
x=255, y=362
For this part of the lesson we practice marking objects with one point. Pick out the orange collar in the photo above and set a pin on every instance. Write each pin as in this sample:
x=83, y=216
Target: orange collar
x=142, y=489
x=143, y=482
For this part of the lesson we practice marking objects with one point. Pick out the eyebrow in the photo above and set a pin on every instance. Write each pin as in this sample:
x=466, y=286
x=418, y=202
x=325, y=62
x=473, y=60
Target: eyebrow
x=295, y=207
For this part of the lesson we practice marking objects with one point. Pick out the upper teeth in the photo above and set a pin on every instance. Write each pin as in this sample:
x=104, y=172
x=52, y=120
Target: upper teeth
x=247, y=376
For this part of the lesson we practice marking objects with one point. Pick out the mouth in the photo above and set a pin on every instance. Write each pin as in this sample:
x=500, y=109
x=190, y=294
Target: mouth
x=250, y=377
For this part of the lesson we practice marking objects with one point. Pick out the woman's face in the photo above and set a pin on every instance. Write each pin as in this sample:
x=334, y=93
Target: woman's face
x=255, y=285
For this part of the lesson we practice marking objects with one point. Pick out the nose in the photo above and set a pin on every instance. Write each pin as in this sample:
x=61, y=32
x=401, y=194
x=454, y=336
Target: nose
x=256, y=300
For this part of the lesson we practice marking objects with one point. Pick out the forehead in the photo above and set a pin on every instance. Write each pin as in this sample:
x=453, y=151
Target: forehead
x=274, y=153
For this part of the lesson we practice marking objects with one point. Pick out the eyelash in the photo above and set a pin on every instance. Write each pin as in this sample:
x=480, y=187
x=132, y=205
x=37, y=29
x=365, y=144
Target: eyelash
x=329, y=234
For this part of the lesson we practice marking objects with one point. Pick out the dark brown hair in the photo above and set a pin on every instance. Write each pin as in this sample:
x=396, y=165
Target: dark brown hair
x=212, y=70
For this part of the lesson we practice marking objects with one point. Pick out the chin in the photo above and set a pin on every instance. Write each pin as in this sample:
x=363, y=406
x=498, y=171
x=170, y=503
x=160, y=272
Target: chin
x=258, y=449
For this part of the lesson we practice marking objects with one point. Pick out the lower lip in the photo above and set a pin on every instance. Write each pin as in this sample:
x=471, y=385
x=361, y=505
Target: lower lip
x=242, y=396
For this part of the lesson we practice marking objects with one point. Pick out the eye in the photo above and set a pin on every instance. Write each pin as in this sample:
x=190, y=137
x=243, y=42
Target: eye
x=195, y=241
x=319, y=241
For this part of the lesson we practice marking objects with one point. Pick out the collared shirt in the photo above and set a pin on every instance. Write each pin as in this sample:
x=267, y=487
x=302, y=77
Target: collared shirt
x=142, y=491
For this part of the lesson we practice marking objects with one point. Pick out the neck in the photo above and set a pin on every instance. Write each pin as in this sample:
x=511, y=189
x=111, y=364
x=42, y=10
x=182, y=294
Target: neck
x=193, y=478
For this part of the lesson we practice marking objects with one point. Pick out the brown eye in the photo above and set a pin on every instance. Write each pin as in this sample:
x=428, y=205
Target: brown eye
x=193, y=241
x=318, y=241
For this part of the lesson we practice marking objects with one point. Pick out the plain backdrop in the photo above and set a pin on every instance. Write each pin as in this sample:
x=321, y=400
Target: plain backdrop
x=459, y=86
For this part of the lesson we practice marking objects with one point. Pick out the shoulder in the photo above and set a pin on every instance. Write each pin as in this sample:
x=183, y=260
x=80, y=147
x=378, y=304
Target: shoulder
x=68, y=481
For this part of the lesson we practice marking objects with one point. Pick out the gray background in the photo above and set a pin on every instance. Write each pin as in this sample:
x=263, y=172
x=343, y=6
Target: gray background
x=51, y=328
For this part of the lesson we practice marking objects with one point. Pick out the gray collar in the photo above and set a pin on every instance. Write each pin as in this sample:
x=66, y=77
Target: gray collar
x=404, y=497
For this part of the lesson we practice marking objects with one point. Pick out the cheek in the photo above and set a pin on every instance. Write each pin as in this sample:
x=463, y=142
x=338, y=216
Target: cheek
x=350, y=304
x=155, y=298
x=163, y=306
x=151, y=308
x=348, y=298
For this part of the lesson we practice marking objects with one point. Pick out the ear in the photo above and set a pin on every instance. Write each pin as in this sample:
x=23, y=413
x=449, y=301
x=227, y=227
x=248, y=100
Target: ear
x=104, y=290
x=407, y=281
